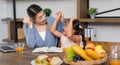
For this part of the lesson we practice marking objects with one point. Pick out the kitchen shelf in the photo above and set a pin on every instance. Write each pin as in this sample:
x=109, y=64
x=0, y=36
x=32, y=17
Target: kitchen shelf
x=11, y=41
x=82, y=6
x=109, y=20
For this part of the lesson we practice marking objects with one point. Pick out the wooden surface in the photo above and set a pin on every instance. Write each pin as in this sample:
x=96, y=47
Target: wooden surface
x=14, y=58
x=9, y=40
x=106, y=45
x=19, y=24
x=82, y=8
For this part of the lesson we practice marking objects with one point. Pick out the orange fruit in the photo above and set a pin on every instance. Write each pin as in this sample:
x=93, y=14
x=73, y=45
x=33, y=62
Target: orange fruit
x=90, y=45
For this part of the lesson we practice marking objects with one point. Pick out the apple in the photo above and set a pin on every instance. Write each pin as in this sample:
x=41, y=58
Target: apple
x=90, y=46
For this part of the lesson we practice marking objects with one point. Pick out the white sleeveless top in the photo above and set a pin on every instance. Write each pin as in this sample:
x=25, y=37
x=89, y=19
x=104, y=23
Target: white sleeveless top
x=65, y=41
x=42, y=34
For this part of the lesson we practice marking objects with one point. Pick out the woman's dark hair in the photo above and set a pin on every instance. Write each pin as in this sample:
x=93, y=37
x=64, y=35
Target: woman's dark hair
x=78, y=27
x=33, y=10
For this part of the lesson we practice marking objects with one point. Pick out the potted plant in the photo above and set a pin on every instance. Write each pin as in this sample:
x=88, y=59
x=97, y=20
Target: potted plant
x=47, y=11
x=92, y=12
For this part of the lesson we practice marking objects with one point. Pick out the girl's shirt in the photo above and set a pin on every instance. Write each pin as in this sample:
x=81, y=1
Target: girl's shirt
x=66, y=42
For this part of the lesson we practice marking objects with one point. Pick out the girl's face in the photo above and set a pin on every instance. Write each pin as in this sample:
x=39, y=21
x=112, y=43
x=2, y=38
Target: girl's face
x=40, y=18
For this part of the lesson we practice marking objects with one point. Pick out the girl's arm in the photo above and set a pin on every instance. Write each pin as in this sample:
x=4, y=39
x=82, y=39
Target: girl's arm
x=53, y=28
x=70, y=34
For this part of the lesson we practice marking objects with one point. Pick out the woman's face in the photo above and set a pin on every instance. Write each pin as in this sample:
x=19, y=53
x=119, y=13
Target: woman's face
x=40, y=18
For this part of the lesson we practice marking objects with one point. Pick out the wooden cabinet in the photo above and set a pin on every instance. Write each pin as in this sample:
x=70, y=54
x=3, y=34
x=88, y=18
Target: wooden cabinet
x=20, y=34
x=82, y=8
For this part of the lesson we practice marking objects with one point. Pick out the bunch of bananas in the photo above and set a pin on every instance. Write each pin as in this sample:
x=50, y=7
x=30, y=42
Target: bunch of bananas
x=91, y=51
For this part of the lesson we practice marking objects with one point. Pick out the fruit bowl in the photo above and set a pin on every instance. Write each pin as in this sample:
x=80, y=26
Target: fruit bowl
x=93, y=62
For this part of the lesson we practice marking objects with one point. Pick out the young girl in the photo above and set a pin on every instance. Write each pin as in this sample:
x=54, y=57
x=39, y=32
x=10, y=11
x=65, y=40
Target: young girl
x=73, y=31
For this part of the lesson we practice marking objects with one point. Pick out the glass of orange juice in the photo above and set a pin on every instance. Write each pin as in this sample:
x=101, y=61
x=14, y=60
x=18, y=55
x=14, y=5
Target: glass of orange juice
x=114, y=62
x=20, y=47
x=64, y=50
x=114, y=57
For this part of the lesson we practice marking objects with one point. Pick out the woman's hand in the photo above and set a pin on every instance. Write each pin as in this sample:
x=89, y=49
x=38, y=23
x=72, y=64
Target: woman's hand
x=28, y=21
x=59, y=16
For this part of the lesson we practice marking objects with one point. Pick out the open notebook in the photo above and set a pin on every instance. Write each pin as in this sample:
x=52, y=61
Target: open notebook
x=46, y=49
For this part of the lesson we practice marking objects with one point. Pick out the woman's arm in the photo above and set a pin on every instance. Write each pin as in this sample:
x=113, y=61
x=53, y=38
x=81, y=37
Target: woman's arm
x=28, y=22
x=29, y=33
x=54, y=26
x=30, y=36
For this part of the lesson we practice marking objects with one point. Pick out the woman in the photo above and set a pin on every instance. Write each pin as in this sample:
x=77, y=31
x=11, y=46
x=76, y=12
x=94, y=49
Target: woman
x=37, y=28
x=73, y=31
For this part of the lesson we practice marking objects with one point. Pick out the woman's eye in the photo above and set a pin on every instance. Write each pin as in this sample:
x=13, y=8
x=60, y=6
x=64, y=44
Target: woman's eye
x=40, y=17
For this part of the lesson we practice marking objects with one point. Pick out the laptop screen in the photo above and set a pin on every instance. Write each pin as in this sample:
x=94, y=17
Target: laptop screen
x=7, y=48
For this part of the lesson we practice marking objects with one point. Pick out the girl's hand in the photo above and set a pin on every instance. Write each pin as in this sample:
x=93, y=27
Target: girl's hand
x=27, y=21
x=73, y=18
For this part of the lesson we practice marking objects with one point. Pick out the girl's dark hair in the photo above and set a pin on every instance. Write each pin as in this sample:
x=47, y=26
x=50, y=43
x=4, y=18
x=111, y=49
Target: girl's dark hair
x=33, y=10
x=77, y=28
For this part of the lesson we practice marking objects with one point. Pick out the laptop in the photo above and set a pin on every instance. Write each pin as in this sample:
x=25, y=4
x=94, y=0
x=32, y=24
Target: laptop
x=7, y=48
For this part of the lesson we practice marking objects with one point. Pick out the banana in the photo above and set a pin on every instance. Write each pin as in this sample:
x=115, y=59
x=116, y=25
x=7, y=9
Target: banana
x=92, y=54
x=78, y=50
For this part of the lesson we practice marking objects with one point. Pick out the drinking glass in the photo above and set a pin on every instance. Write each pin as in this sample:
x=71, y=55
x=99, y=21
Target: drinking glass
x=20, y=47
x=114, y=57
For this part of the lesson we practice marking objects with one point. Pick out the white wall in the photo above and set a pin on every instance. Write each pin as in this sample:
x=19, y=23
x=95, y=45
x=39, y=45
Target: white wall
x=68, y=7
x=107, y=31
x=104, y=5
x=3, y=24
